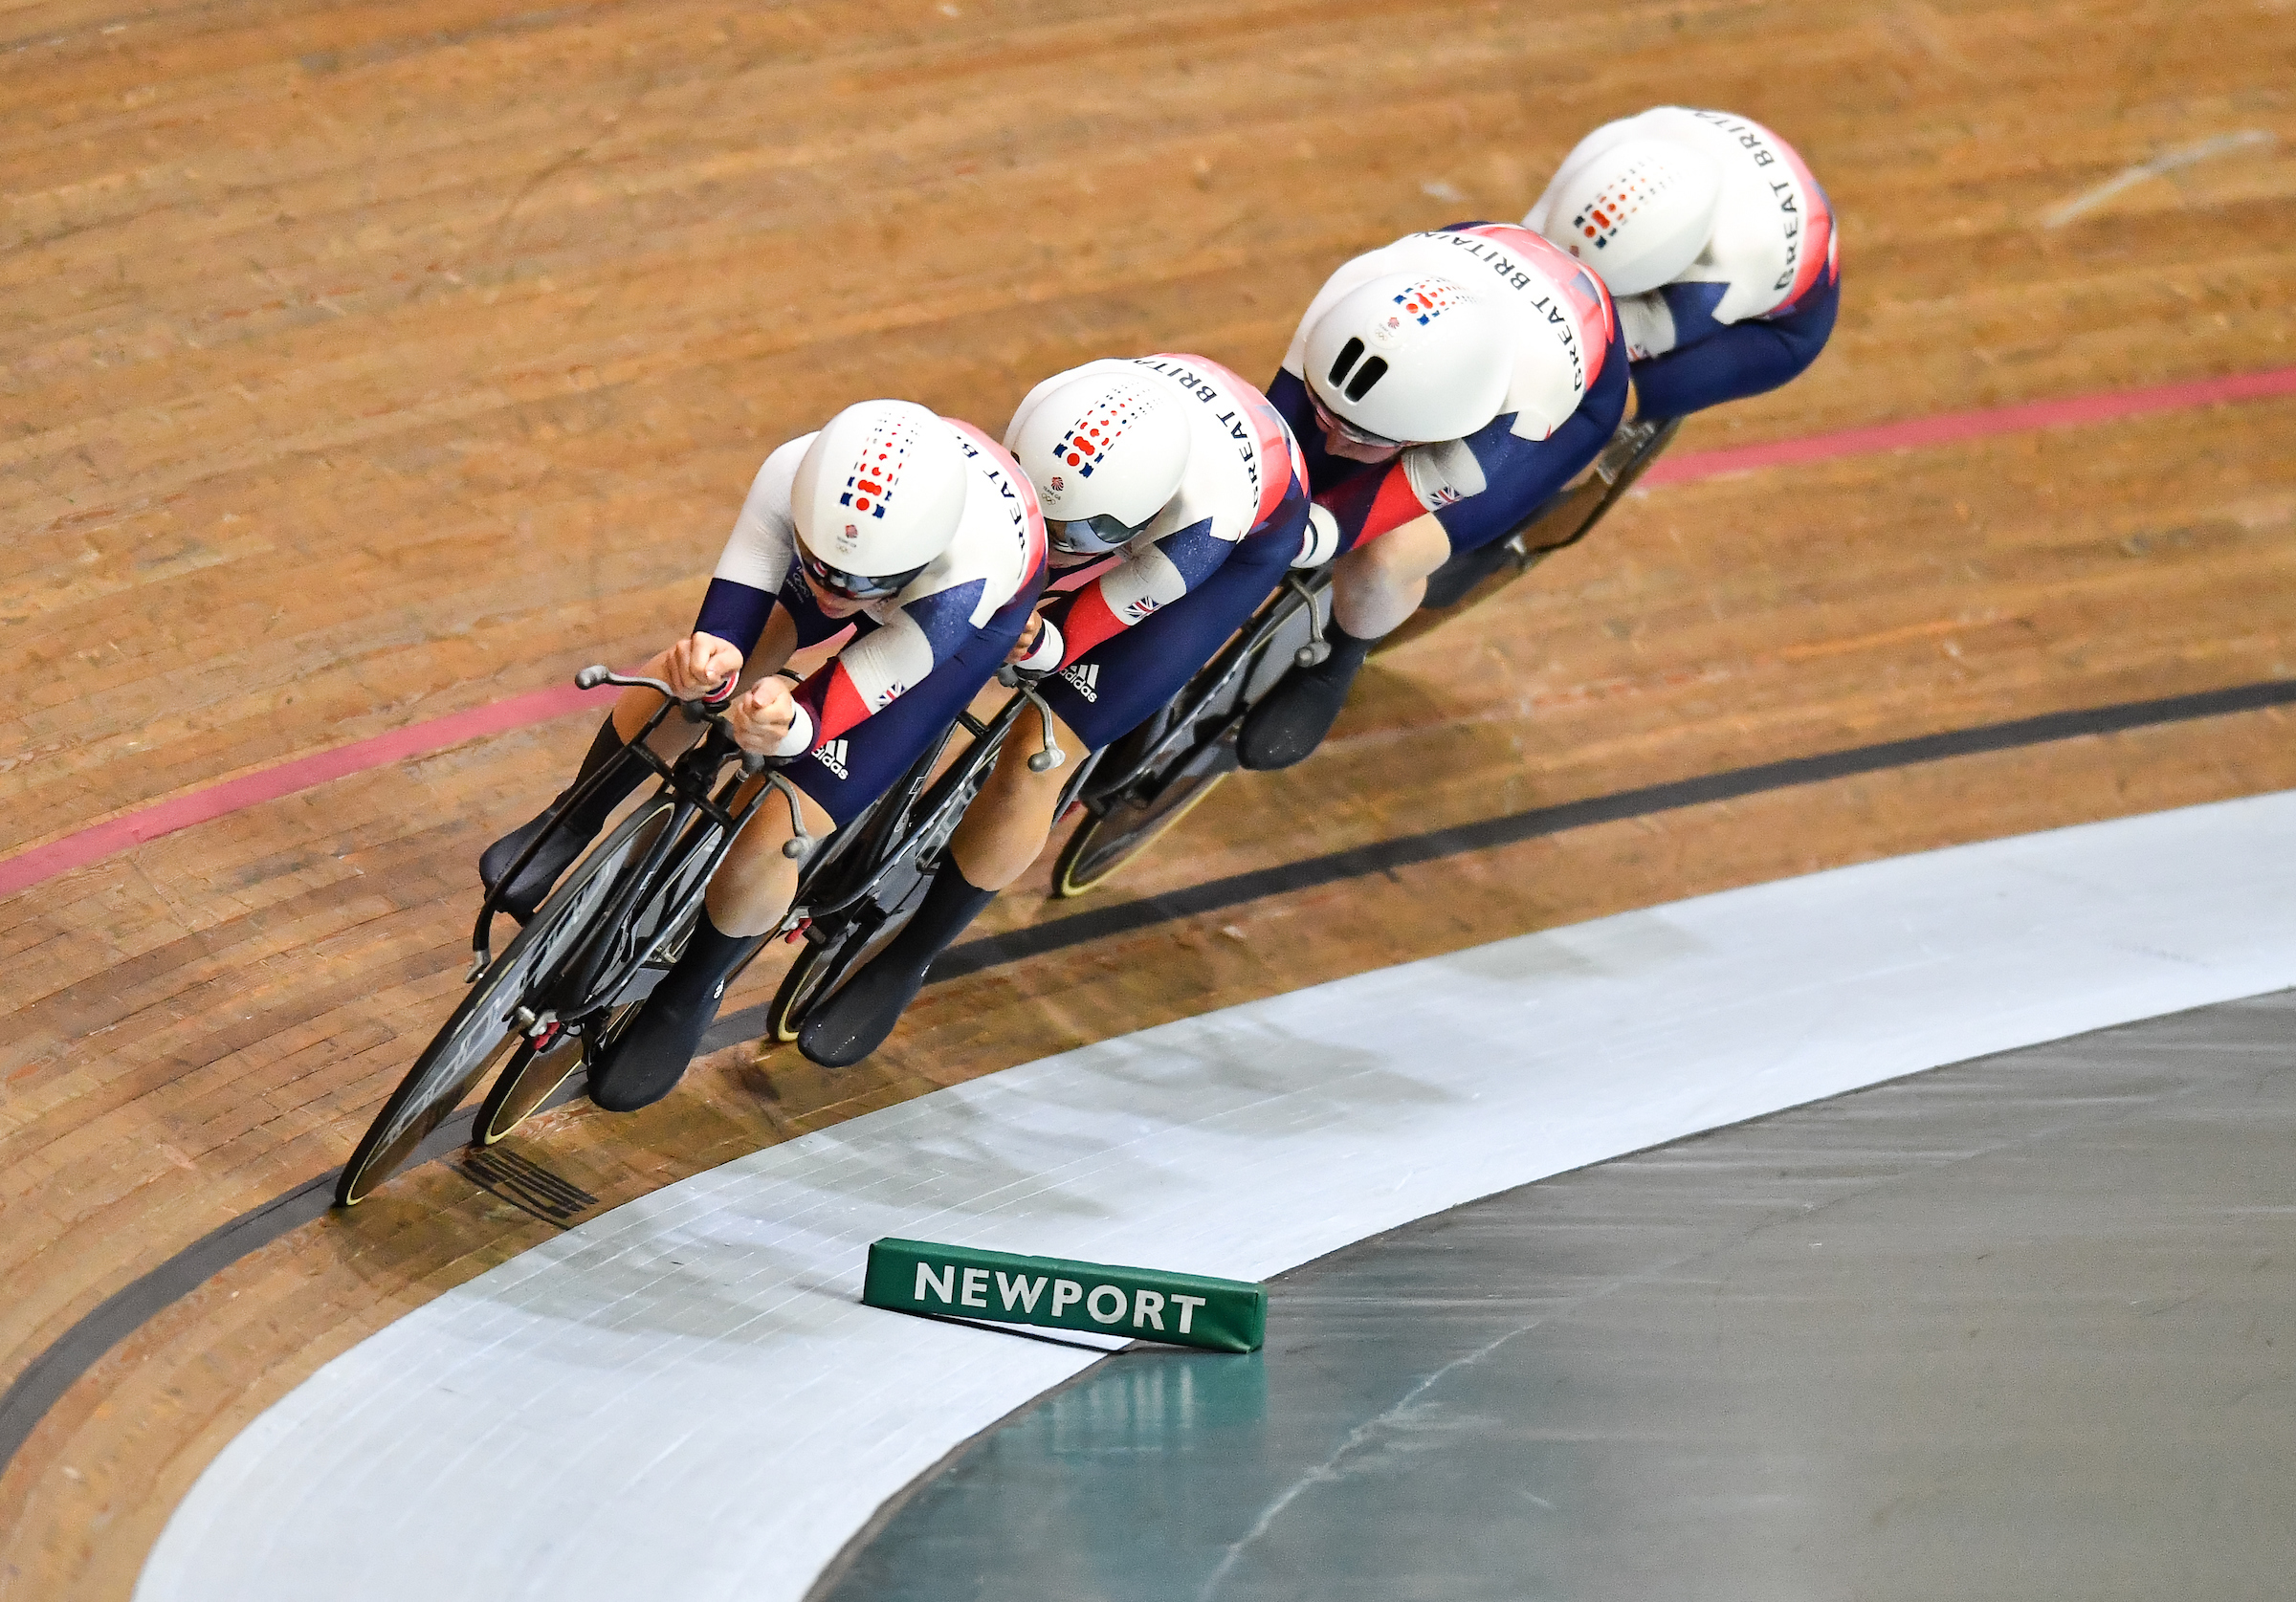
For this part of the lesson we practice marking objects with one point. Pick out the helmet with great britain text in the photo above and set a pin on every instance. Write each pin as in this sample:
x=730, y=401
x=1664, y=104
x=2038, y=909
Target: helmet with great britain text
x=1639, y=215
x=1106, y=451
x=878, y=498
x=1408, y=360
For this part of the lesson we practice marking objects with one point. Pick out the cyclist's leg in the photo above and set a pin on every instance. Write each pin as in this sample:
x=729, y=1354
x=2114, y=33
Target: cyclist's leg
x=580, y=826
x=753, y=886
x=1375, y=587
x=1099, y=697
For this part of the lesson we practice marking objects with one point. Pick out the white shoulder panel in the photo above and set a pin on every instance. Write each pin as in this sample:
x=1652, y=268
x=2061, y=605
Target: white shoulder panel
x=1222, y=480
x=763, y=543
x=993, y=540
x=1760, y=221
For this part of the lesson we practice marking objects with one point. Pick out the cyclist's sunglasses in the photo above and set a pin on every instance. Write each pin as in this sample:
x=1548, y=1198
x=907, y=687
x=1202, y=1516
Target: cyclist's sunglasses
x=855, y=586
x=1092, y=537
x=1349, y=431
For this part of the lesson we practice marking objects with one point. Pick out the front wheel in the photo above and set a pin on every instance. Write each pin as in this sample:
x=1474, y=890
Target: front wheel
x=1109, y=841
x=815, y=967
x=483, y=1030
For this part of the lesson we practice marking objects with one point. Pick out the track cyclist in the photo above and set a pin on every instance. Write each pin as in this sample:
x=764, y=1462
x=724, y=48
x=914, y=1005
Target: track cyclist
x=920, y=533
x=1444, y=386
x=1175, y=499
x=1716, y=244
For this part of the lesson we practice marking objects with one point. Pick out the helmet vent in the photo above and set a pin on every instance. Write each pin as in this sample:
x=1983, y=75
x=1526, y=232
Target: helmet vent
x=1369, y=374
x=1349, y=354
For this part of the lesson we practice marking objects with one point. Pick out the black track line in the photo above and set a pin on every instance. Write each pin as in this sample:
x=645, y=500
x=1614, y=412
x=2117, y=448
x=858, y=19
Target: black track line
x=38, y=1388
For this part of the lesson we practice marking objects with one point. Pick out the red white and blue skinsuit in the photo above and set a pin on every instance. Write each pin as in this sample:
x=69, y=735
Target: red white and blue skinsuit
x=1140, y=623
x=1556, y=415
x=915, y=659
x=1758, y=304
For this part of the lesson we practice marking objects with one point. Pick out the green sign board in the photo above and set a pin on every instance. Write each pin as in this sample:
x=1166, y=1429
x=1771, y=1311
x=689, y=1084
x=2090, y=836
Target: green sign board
x=1056, y=1293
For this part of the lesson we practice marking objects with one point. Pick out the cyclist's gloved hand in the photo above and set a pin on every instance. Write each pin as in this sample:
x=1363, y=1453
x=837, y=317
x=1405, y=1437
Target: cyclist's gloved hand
x=1040, y=648
x=766, y=718
x=1320, y=541
x=699, y=664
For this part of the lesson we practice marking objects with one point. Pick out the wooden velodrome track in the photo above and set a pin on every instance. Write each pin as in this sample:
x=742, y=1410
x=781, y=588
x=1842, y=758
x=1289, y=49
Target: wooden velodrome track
x=369, y=365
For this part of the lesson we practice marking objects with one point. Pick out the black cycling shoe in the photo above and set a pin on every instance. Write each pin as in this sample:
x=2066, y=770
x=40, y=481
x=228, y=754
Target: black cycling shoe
x=854, y=1023
x=569, y=840
x=648, y=1059
x=1290, y=721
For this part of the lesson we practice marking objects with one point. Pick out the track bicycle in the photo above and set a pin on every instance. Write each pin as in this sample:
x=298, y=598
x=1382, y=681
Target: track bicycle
x=593, y=948
x=858, y=910
x=1154, y=775
x=559, y=993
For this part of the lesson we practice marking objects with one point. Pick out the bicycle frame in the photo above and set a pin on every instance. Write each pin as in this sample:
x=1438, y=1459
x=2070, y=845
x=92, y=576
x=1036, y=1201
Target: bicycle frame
x=1198, y=700
x=925, y=805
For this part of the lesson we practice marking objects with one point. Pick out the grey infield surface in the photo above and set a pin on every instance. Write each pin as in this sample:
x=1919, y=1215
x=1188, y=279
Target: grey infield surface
x=2021, y=1328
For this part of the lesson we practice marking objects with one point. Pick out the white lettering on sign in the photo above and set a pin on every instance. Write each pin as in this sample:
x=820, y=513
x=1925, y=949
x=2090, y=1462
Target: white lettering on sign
x=1091, y=1304
x=976, y=1289
x=944, y=1283
x=1020, y=1288
x=1147, y=1307
x=1187, y=1305
x=1066, y=1294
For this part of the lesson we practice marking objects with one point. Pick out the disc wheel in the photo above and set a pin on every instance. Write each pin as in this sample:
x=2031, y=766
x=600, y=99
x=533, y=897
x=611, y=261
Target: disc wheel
x=798, y=990
x=1110, y=841
x=481, y=1033
x=526, y=1084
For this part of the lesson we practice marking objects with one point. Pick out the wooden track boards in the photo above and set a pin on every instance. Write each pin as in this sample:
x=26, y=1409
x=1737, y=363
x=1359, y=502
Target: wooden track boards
x=369, y=365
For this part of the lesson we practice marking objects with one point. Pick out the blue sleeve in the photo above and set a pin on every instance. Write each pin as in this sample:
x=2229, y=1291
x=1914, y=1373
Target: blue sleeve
x=1520, y=476
x=1729, y=364
x=736, y=613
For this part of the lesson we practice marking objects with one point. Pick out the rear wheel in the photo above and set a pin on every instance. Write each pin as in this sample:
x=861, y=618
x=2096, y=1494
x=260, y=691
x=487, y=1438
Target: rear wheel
x=815, y=967
x=526, y=1082
x=482, y=1031
x=1107, y=842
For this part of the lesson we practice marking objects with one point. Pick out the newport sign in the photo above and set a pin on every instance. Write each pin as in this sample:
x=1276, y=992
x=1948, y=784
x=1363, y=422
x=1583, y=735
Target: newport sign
x=1059, y=1293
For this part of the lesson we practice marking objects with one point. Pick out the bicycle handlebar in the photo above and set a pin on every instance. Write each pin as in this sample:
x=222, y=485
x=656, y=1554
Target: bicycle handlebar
x=705, y=708
x=596, y=675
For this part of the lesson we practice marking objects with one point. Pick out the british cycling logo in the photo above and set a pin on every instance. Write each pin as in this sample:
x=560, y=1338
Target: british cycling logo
x=1086, y=677
x=1110, y=418
x=869, y=486
x=1428, y=299
x=832, y=756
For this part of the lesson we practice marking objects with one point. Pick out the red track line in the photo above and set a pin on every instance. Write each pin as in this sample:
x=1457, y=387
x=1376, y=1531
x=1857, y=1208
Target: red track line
x=199, y=806
x=421, y=739
x=1953, y=427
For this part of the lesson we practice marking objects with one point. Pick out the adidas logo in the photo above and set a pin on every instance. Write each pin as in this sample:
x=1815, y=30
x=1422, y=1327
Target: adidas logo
x=1086, y=677
x=832, y=756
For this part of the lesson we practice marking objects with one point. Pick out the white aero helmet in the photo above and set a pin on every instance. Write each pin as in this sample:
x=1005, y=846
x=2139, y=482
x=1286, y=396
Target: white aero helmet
x=1106, y=451
x=878, y=498
x=1639, y=213
x=1409, y=359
